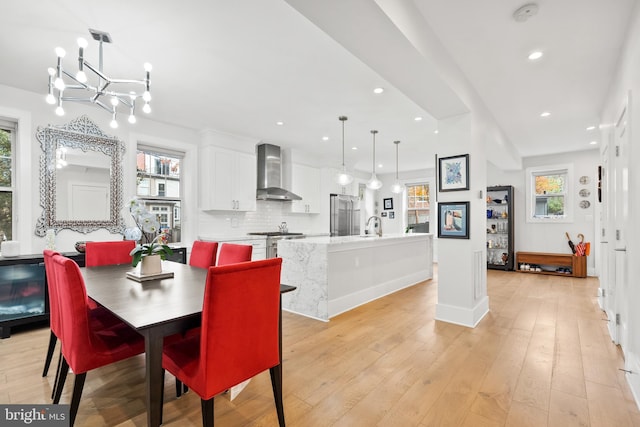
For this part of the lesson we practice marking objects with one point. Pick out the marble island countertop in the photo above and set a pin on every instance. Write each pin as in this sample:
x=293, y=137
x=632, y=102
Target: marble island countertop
x=337, y=243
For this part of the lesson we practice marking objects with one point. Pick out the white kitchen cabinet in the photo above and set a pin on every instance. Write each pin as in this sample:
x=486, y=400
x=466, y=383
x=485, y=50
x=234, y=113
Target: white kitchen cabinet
x=305, y=182
x=228, y=180
x=258, y=252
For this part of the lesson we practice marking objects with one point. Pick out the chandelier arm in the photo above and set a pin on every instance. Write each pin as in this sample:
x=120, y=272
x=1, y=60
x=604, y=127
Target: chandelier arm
x=106, y=107
x=97, y=71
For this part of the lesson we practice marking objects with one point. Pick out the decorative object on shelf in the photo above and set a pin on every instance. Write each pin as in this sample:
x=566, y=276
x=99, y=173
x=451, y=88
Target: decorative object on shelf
x=100, y=90
x=397, y=187
x=81, y=246
x=584, y=193
x=500, y=228
x=392, y=215
x=388, y=203
x=453, y=173
x=50, y=239
x=453, y=220
x=343, y=177
x=10, y=248
x=383, y=214
x=374, y=183
x=584, y=180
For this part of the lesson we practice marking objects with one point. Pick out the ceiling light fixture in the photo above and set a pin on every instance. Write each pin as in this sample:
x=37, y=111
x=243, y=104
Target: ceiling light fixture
x=378, y=90
x=397, y=187
x=343, y=177
x=537, y=54
x=374, y=183
x=593, y=142
x=325, y=138
x=280, y=123
x=525, y=12
x=417, y=119
x=545, y=114
x=102, y=86
x=591, y=128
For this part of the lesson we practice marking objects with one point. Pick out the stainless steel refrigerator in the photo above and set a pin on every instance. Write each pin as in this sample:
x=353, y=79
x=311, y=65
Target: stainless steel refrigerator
x=344, y=215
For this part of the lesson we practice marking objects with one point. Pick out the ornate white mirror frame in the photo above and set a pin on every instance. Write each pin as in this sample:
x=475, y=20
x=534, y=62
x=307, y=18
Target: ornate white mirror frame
x=84, y=136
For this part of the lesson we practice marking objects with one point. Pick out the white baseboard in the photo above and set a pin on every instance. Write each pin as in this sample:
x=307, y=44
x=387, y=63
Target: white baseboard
x=462, y=316
x=632, y=363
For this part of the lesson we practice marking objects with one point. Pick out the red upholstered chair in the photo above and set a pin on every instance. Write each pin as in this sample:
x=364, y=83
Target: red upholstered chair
x=54, y=320
x=86, y=344
x=109, y=253
x=239, y=336
x=203, y=254
x=230, y=253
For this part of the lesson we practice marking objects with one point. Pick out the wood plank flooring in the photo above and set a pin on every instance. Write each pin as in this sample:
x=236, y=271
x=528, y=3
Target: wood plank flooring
x=541, y=357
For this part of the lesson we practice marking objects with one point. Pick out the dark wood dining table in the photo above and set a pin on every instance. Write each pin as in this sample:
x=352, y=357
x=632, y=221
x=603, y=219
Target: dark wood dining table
x=154, y=308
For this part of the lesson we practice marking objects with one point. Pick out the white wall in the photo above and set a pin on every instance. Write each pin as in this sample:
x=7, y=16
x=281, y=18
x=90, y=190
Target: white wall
x=545, y=237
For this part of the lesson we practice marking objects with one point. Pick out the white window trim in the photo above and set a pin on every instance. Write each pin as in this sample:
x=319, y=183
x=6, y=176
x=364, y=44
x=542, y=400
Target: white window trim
x=530, y=196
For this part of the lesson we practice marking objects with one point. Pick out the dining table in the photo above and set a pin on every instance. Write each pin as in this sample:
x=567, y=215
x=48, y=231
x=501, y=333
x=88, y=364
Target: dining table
x=155, y=308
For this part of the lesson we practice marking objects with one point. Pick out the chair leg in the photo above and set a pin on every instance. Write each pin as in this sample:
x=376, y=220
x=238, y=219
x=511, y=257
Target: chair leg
x=52, y=346
x=276, y=384
x=178, y=388
x=75, y=399
x=64, y=370
x=207, y=412
x=55, y=381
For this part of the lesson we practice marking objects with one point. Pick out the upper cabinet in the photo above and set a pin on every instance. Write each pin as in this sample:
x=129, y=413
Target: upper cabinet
x=228, y=180
x=305, y=182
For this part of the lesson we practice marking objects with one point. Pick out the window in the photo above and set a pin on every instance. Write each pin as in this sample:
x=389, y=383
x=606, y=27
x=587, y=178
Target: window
x=158, y=185
x=549, y=194
x=418, y=204
x=7, y=178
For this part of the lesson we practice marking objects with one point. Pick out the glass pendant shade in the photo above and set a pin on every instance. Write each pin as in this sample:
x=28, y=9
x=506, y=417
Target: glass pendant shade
x=397, y=187
x=374, y=183
x=343, y=177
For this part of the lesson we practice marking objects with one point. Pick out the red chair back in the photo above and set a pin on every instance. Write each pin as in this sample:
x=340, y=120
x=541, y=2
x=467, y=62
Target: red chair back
x=54, y=311
x=84, y=345
x=231, y=253
x=109, y=253
x=203, y=254
x=239, y=337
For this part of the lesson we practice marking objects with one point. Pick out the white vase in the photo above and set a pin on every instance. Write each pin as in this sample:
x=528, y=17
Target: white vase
x=151, y=264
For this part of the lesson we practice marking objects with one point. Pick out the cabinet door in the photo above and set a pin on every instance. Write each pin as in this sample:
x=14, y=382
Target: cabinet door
x=305, y=183
x=245, y=182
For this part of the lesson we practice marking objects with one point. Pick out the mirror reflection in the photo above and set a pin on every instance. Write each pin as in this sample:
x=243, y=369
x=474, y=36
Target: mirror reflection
x=80, y=178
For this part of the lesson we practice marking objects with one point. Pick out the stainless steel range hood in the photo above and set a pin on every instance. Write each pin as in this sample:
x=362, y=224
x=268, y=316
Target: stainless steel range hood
x=270, y=175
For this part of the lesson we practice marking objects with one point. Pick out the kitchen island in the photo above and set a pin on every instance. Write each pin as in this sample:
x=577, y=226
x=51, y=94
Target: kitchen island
x=336, y=274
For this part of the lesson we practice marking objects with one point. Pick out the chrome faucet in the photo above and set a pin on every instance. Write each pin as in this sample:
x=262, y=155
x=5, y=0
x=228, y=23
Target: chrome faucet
x=377, y=224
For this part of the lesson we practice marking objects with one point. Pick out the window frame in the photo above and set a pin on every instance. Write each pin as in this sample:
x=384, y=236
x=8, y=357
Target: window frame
x=11, y=126
x=149, y=199
x=426, y=183
x=532, y=172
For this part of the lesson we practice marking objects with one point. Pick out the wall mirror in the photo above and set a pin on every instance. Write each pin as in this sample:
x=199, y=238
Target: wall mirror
x=80, y=178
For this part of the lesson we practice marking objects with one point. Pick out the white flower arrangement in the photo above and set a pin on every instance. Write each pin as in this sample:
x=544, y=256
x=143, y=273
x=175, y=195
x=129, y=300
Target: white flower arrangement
x=146, y=230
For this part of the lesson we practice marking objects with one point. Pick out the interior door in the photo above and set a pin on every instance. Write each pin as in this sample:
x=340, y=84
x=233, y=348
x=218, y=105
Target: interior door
x=621, y=222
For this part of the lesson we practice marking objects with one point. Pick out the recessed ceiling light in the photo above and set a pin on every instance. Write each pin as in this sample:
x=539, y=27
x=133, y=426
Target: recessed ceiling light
x=379, y=165
x=378, y=90
x=325, y=138
x=354, y=148
x=545, y=114
x=591, y=128
x=436, y=131
x=280, y=123
x=536, y=54
x=417, y=119
x=593, y=142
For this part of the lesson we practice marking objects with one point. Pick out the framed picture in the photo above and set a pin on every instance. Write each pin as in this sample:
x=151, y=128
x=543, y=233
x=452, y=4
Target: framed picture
x=453, y=173
x=388, y=204
x=391, y=215
x=453, y=220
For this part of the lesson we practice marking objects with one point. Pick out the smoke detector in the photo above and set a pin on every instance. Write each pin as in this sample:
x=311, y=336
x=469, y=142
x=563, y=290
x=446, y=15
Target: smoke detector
x=525, y=12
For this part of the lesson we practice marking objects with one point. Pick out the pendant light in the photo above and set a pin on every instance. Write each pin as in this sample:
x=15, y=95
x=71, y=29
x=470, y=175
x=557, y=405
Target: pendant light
x=343, y=177
x=374, y=183
x=397, y=186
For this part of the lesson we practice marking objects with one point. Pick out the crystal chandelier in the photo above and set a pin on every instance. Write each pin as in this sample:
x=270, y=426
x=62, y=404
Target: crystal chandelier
x=374, y=183
x=102, y=90
x=343, y=177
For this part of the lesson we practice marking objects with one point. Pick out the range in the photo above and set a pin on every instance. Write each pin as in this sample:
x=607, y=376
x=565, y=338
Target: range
x=272, y=240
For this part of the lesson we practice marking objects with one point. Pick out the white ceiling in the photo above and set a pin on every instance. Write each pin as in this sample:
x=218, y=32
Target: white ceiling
x=240, y=66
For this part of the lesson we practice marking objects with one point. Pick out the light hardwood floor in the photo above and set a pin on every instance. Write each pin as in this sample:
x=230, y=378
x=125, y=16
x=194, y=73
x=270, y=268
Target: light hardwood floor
x=541, y=357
